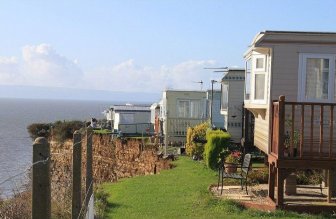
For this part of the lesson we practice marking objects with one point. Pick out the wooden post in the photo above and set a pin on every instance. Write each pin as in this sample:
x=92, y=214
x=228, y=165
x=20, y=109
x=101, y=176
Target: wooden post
x=281, y=131
x=302, y=129
x=311, y=131
x=271, y=181
x=331, y=131
x=76, y=175
x=280, y=192
x=41, y=197
x=321, y=132
x=330, y=185
x=89, y=177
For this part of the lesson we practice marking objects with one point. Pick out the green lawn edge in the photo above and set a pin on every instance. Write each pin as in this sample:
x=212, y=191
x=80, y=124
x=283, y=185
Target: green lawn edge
x=181, y=192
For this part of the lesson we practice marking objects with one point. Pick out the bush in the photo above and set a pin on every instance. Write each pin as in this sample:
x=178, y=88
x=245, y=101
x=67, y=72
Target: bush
x=258, y=175
x=309, y=177
x=39, y=130
x=100, y=202
x=61, y=131
x=218, y=142
x=196, y=138
x=64, y=130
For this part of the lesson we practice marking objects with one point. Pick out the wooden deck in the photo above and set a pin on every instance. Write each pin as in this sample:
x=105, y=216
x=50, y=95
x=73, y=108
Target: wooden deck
x=303, y=137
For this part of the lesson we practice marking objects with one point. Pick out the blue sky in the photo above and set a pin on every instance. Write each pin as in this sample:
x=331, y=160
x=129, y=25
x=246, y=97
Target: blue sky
x=139, y=45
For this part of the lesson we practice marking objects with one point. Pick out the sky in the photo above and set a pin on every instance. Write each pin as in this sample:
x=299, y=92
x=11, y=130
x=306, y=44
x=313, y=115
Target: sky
x=139, y=45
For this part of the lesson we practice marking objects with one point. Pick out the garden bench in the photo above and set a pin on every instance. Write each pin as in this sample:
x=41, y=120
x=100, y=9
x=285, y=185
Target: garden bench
x=242, y=175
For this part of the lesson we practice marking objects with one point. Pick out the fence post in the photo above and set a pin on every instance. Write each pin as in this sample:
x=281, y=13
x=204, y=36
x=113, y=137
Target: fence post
x=41, y=197
x=76, y=175
x=89, y=178
x=281, y=131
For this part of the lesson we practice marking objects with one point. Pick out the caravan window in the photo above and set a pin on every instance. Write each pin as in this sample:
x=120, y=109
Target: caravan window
x=183, y=108
x=195, y=109
x=225, y=97
x=259, y=78
x=248, y=71
x=316, y=74
x=190, y=109
x=126, y=118
x=259, y=87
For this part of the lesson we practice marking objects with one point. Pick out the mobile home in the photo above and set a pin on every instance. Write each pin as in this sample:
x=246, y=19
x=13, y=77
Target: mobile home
x=296, y=130
x=180, y=110
x=130, y=119
x=232, y=86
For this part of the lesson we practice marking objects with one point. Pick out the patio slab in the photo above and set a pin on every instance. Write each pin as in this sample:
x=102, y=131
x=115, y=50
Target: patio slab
x=308, y=198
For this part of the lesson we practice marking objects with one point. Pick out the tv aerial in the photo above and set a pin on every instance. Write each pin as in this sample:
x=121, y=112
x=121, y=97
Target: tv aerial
x=218, y=69
x=199, y=82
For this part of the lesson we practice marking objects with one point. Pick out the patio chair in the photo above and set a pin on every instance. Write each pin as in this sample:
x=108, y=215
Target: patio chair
x=242, y=175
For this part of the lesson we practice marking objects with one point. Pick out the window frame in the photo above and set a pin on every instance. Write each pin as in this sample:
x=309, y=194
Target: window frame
x=254, y=63
x=202, y=112
x=258, y=71
x=303, y=57
x=224, y=86
x=248, y=79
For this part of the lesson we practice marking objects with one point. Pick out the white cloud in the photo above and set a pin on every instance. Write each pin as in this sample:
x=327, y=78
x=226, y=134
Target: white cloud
x=9, y=70
x=127, y=76
x=41, y=65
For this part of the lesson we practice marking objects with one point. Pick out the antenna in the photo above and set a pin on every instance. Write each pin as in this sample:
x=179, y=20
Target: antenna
x=199, y=82
x=216, y=68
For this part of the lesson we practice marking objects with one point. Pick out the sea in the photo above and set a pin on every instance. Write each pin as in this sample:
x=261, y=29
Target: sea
x=15, y=143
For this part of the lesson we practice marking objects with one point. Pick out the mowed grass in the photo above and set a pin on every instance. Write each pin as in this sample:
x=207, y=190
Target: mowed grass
x=181, y=192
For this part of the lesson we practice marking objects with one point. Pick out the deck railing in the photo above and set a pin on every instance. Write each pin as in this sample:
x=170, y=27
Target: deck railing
x=303, y=130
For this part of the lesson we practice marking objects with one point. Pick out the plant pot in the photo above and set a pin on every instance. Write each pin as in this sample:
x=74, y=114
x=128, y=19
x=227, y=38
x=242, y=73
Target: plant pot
x=230, y=168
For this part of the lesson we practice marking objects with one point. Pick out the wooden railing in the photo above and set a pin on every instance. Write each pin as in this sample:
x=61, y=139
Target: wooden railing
x=303, y=130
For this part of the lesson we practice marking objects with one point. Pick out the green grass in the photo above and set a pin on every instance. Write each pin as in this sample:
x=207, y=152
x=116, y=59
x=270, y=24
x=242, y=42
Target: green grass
x=102, y=131
x=181, y=192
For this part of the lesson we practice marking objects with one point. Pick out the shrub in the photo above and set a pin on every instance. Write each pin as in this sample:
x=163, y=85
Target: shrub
x=196, y=138
x=258, y=175
x=100, y=202
x=218, y=142
x=234, y=157
x=64, y=130
x=61, y=131
x=39, y=130
x=306, y=177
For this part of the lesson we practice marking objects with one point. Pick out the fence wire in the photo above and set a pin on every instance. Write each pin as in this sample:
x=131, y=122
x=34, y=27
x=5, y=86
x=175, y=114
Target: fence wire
x=18, y=204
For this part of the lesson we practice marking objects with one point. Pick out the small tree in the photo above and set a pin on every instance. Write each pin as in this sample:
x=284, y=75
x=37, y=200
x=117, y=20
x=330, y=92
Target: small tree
x=218, y=142
x=196, y=138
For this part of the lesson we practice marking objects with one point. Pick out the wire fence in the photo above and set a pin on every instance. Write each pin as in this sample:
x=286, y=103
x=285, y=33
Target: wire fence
x=33, y=174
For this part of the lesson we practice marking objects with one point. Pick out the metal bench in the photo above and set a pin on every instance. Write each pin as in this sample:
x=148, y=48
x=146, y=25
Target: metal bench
x=242, y=175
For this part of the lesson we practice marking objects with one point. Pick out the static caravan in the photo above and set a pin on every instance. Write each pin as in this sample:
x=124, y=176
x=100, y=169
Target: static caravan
x=232, y=86
x=217, y=118
x=297, y=129
x=180, y=110
x=130, y=119
x=155, y=118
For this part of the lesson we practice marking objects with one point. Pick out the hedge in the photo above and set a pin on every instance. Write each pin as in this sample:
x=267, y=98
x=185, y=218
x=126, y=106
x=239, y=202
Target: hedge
x=217, y=143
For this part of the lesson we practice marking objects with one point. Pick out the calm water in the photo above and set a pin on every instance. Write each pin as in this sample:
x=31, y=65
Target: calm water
x=15, y=143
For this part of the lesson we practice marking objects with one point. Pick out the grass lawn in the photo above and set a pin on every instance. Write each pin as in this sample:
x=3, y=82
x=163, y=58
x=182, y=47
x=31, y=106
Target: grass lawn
x=102, y=131
x=181, y=192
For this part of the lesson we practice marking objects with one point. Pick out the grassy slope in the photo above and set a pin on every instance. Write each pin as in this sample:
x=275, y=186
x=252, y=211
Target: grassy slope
x=178, y=193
